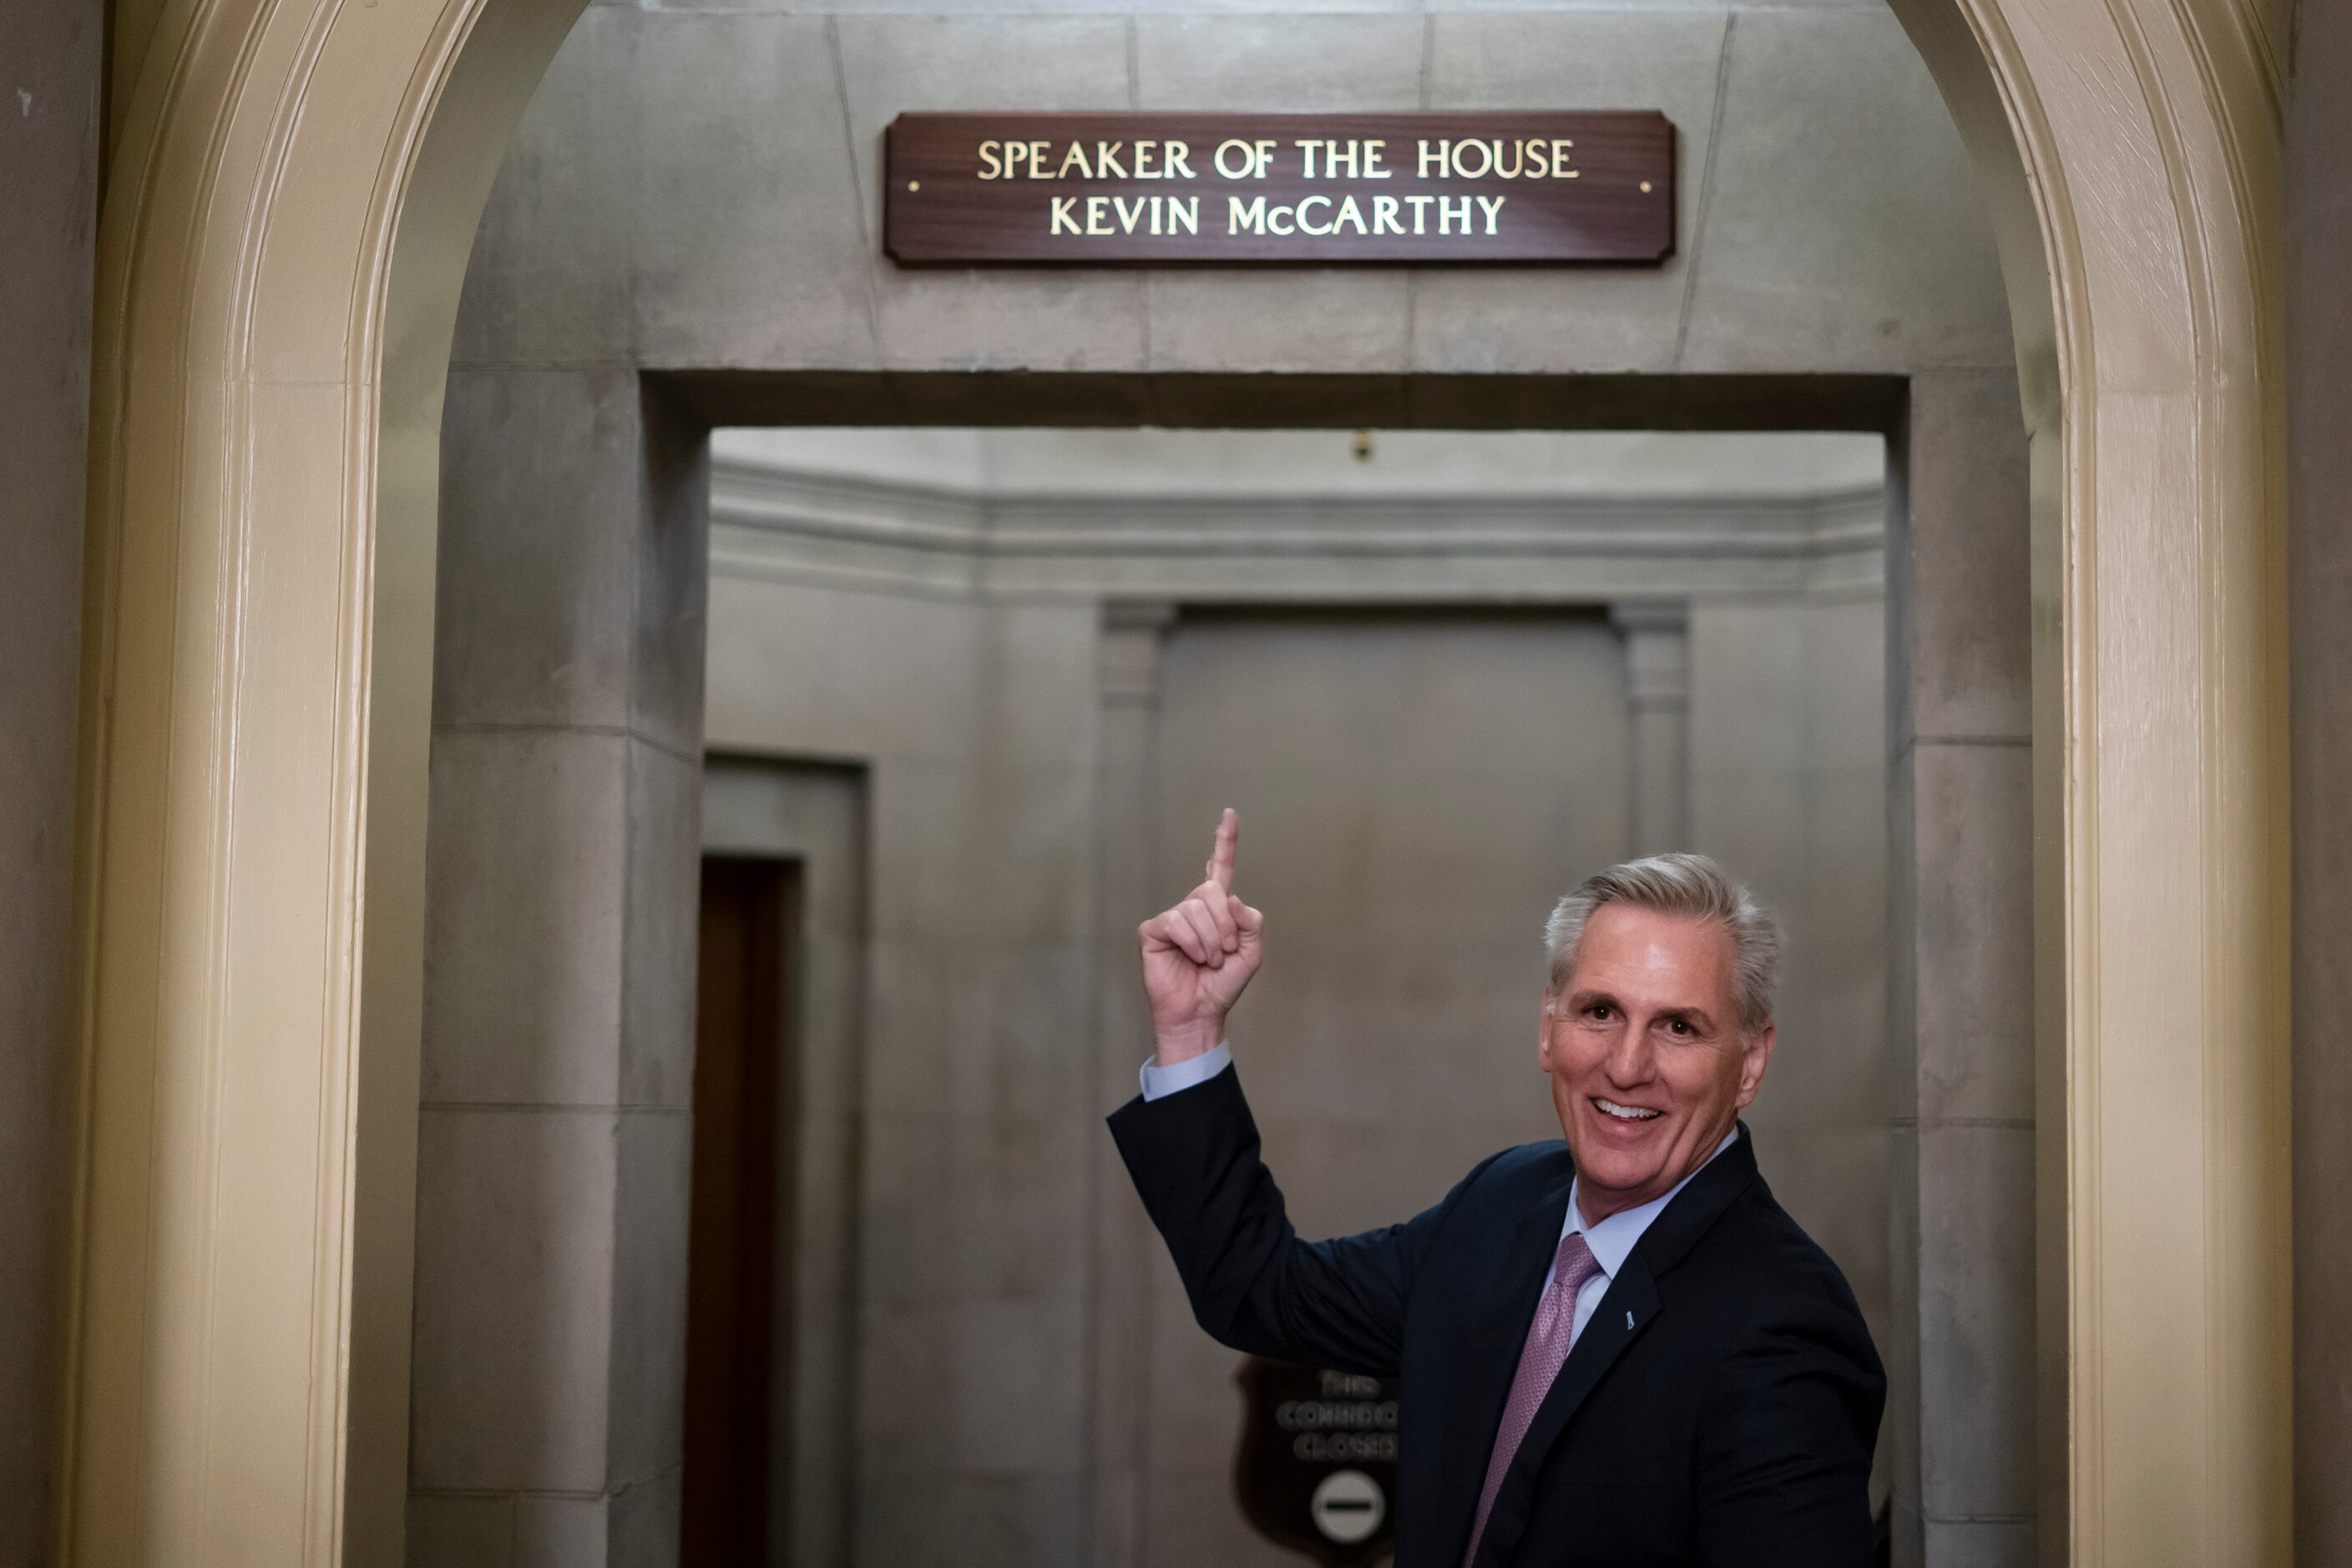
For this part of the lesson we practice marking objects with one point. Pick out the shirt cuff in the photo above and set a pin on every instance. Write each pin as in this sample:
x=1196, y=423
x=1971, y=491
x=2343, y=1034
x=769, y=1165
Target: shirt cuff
x=1159, y=1080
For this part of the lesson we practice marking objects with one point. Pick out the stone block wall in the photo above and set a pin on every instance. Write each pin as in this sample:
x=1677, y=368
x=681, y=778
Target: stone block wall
x=552, y=1149
x=48, y=187
x=697, y=188
x=1960, y=1018
x=975, y=724
x=2319, y=571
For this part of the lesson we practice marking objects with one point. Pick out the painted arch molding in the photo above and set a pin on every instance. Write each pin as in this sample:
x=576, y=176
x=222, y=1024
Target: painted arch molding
x=293, y=196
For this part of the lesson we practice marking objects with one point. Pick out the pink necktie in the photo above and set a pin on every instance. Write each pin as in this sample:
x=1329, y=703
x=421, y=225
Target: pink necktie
x=1540, y=1360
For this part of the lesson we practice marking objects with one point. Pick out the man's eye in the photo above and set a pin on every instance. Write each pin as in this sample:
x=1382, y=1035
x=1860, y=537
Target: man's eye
x=1680, y=1027
x=1597, y=1013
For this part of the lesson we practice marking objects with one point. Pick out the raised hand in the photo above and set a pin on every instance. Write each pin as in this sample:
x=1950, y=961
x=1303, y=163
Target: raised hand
x=1198, y=956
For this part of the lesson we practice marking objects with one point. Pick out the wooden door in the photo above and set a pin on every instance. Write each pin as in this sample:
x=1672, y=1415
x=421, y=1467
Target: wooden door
x=737, y=1288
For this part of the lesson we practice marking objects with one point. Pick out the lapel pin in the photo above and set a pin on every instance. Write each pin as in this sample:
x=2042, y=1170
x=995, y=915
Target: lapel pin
x=1629, y=1320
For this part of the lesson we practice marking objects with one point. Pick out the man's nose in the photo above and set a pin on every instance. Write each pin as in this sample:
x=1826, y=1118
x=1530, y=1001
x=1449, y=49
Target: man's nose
x=1631, y=1057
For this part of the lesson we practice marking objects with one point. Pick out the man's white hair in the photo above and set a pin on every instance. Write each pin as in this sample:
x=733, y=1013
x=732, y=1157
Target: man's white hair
x=1688, y=887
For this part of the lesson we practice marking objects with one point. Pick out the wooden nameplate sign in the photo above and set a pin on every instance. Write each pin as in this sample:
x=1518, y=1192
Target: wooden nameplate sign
x=1415, y=189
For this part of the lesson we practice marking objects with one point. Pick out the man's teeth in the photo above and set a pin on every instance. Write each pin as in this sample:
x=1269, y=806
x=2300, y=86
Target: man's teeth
x=1626, y=1112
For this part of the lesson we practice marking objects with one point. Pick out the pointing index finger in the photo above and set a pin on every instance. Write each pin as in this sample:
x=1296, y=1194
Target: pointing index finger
x=1220, y=859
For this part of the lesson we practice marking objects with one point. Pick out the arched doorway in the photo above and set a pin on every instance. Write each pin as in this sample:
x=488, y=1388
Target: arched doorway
x=286, y=226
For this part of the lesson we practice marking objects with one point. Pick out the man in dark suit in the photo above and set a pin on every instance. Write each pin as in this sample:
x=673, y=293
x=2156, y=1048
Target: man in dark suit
x=1614, y=1350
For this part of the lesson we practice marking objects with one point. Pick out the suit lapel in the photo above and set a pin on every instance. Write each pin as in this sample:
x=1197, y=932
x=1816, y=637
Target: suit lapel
x=1625, y=1312
x=1490, y=1356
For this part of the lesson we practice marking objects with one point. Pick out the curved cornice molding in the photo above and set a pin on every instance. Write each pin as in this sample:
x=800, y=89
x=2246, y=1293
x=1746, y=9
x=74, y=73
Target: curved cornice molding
x=770, y=521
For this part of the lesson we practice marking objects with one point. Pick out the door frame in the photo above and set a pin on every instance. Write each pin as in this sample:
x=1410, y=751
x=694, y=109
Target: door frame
x=814, y=813
x=290, y=202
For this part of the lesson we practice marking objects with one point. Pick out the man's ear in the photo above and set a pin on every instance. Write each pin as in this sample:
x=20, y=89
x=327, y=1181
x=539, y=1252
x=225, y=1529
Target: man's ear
x=1543, y=1032
x=1753, y=1059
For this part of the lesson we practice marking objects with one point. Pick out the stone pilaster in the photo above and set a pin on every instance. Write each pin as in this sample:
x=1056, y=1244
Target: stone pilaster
x=563, y=853
x=1657, y=672
x=1133, y=634
x=1960, y=981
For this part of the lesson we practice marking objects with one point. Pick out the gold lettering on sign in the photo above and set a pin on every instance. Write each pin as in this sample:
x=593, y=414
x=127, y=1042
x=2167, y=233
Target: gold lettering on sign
x=1109, y=215
x=1306, y=217
x=1327, y=189
x=1001, y=159
x=1254, y=157
x=1342, y=160
x=1525, y=157
x=1320, y=158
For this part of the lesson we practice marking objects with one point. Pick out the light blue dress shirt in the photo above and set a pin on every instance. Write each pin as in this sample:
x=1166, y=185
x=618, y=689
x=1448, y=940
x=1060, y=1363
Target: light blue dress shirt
x=1159, y=1080
x=1612, y=1240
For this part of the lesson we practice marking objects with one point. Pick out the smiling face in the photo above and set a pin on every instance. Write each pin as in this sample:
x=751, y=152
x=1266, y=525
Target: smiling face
x=1648, y=1064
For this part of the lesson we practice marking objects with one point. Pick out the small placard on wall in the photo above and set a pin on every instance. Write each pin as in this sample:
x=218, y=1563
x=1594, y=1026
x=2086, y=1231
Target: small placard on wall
x=1415, y=189
x=1316, y=1467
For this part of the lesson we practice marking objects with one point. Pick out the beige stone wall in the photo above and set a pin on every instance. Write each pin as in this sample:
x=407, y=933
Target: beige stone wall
x=2319, y=225
x=49, y=189
x=1415, y=792
x=554, y=1125
x=1787, y=785
x=701, y=189
x=975, y=724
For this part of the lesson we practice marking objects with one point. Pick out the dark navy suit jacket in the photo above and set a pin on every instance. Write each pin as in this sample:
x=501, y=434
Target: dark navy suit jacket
x=1719, y=1408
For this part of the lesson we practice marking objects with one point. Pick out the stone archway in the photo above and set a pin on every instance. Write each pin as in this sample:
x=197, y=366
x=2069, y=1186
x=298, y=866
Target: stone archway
x=290, y=211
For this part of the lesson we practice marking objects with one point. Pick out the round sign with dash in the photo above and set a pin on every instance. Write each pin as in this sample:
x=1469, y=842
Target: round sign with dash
x=1348, y=1506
